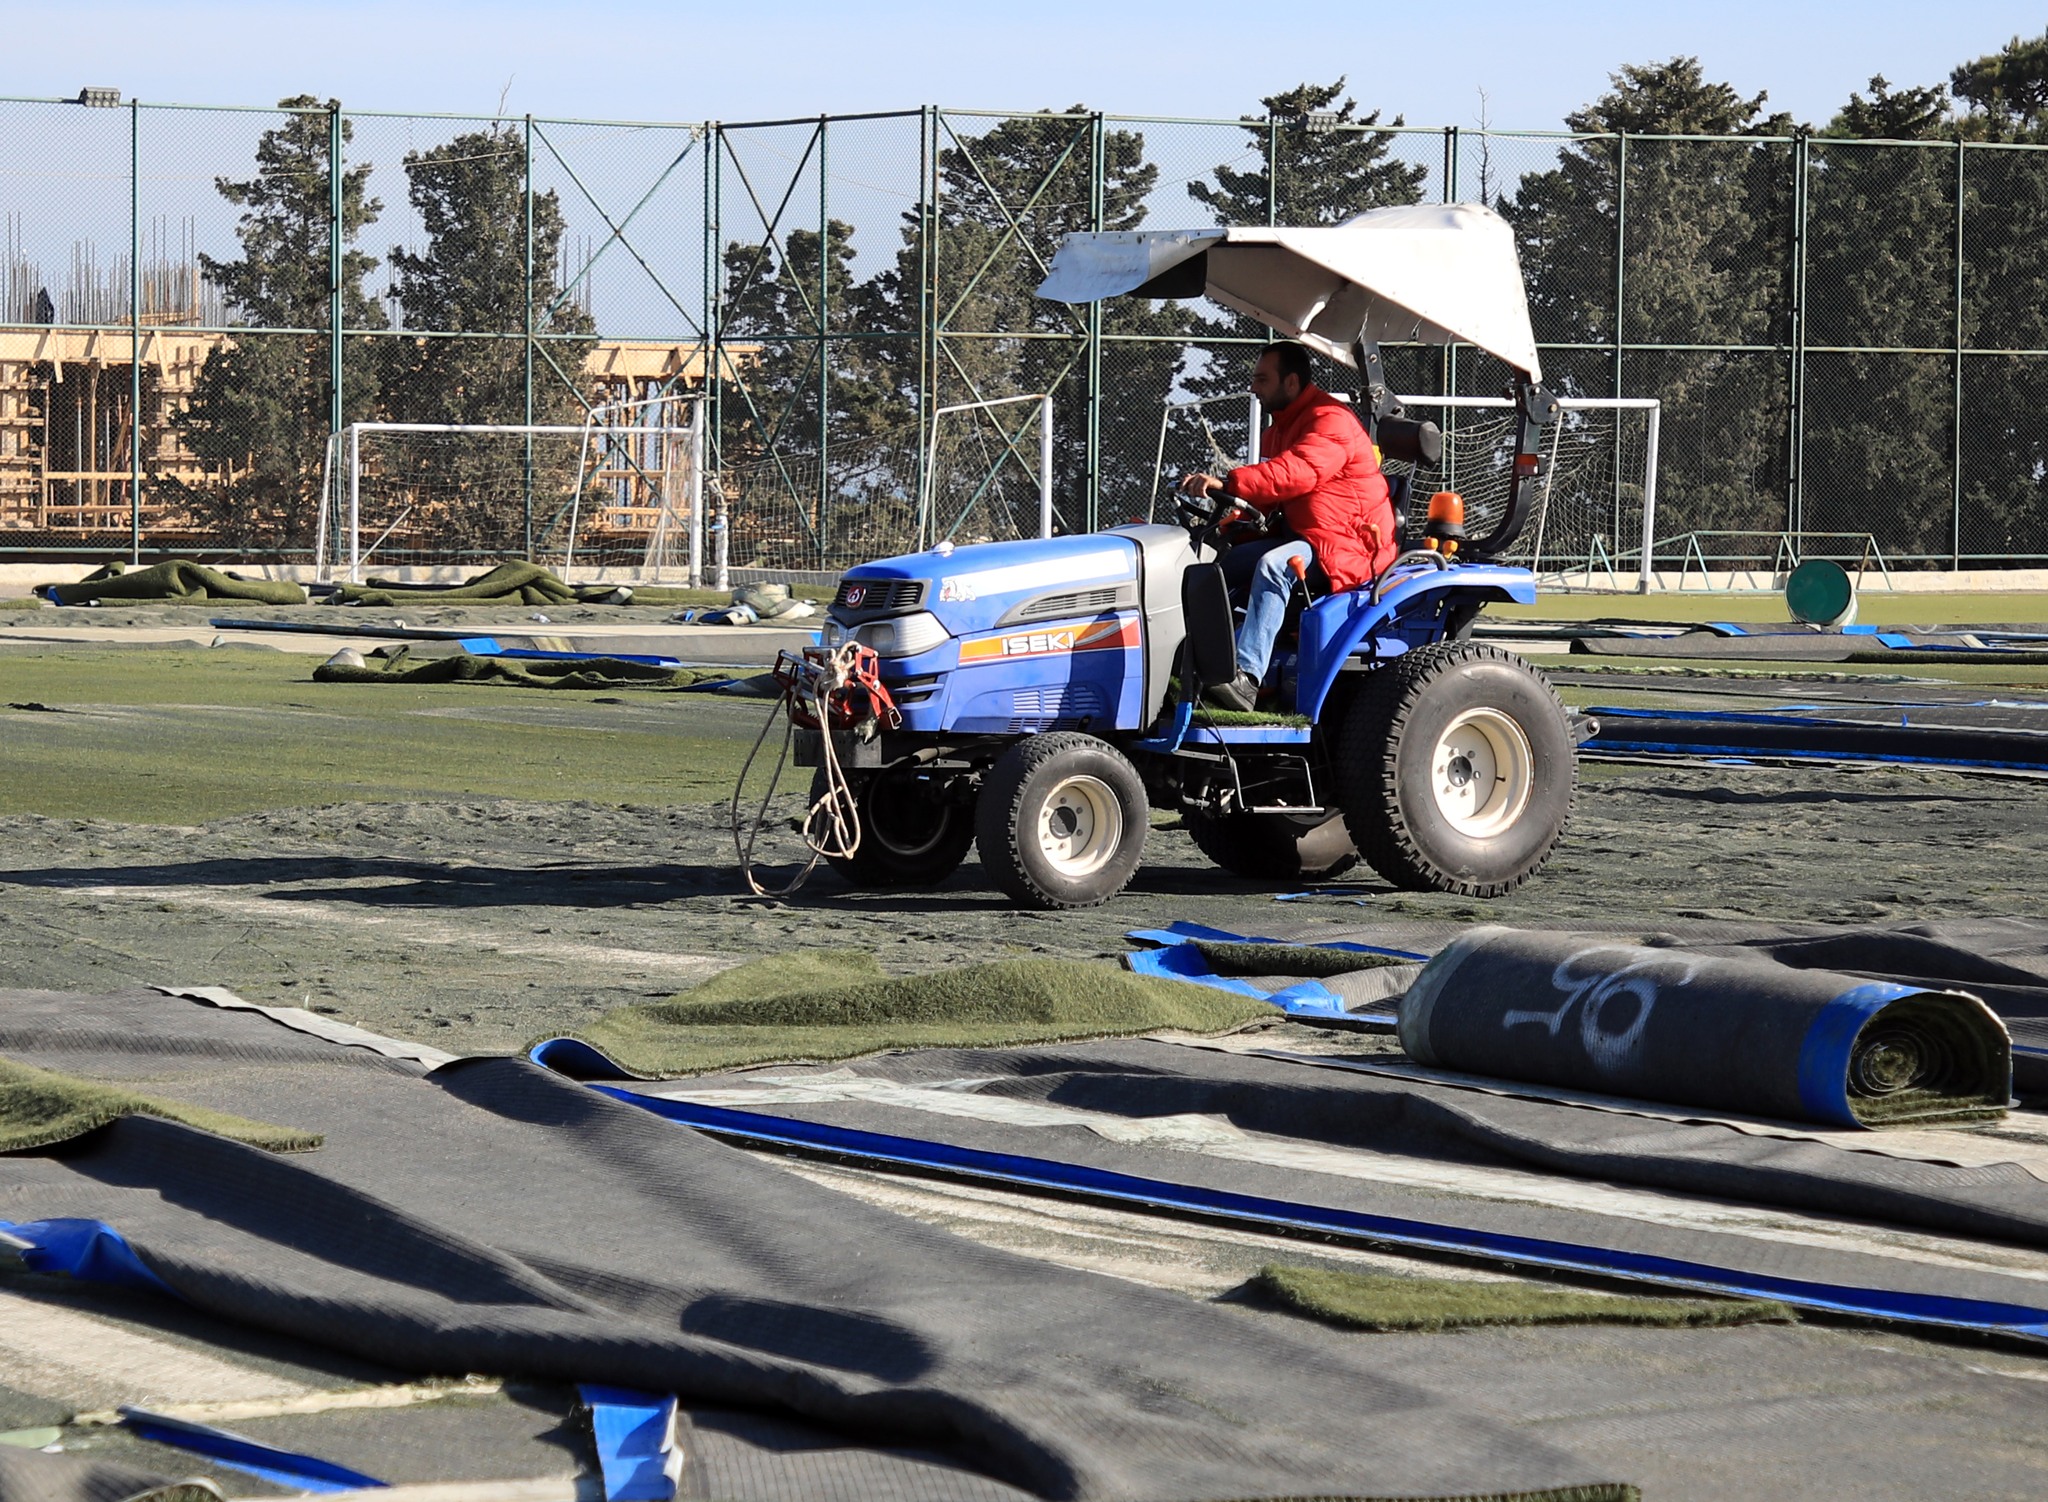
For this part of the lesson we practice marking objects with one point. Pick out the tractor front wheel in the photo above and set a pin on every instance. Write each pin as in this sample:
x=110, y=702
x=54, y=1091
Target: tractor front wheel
x=1456, y=769
x=1061, y=821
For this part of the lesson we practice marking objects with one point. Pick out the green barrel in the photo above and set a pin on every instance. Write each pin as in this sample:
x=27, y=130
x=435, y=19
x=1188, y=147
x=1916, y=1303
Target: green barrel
x=1821, y=593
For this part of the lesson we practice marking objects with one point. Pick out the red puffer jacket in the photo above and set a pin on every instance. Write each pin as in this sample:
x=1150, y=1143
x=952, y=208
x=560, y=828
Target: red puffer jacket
x=1319, y=470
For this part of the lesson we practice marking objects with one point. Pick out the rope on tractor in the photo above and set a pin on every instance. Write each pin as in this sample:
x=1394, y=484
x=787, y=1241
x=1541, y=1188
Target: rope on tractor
x=826, y=688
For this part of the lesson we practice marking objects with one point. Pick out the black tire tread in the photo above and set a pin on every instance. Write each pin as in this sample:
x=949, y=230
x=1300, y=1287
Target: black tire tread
x=1368, y=744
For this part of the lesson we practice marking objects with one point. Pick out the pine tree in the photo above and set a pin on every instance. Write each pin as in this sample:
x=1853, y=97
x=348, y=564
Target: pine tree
x=472, y=278
x=1330, y=165
x=260, y=411
x=1706, y=227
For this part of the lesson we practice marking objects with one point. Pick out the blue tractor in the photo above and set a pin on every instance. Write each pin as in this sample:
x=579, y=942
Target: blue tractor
x=1048, y=693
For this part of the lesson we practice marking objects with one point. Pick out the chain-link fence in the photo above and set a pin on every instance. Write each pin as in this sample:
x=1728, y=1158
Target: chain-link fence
x=1843, y=336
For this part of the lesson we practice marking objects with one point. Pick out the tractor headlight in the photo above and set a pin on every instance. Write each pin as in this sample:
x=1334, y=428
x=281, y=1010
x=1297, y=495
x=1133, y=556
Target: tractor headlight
x=901, y=636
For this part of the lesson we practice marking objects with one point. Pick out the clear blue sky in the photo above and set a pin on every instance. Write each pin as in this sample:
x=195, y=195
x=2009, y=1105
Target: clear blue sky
x=757, y=59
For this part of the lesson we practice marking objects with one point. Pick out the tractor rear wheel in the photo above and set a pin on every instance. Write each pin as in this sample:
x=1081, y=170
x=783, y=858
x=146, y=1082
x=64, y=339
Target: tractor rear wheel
x=1456, y=769
x=911, y=833
x=1307, y=846
x=1061, y=821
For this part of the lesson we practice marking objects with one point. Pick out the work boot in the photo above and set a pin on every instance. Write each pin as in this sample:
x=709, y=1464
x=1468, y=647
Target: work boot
x=1240, y=693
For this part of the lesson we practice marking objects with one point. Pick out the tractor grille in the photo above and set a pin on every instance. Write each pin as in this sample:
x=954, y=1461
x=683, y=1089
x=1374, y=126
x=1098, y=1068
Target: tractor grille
x=1041, y=709
x=1076, y=602
x=878, y=595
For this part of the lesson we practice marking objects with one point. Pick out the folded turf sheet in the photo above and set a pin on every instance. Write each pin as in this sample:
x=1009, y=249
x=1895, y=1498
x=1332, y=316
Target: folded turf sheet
x=461, y=667
x=179, y=579
x=1381, y=1301
x=39, y=1107
x=492, y=1217
x=837, y=1004
x=524, y=583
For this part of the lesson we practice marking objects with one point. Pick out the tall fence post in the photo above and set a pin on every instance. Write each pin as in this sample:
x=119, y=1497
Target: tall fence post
x=526, y=531
x=1955, y=559
x=927, y=228
x=336, y=370
x=1795, y=418
x=1045, y=465
x=821, y=529
x=135, y=331
x=1620, y=251
x=1099, y=172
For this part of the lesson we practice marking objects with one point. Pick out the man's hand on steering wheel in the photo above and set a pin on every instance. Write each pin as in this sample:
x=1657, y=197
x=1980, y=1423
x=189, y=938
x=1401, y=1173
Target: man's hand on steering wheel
x=1200, y=486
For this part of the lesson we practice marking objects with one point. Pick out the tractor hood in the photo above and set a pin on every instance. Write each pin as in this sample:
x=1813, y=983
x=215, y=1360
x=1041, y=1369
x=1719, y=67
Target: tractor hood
x=983, y=585
x=1425, y=273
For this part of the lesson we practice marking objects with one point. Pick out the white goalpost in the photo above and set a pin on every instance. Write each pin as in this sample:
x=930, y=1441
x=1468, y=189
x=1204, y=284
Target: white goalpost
x=972, y=473
x=627, y=482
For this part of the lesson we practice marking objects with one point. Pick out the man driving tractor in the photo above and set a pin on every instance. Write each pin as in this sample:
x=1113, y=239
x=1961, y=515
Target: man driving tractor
x=1319, y=471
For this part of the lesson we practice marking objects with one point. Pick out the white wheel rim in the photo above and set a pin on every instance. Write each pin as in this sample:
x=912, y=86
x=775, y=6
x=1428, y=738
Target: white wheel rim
x=1080, y=826
x=1481, y=773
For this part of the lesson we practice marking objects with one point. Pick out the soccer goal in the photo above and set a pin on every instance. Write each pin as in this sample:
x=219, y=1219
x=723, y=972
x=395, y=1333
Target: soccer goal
x=985, y=478
x=1594, y=523
x=623, y=489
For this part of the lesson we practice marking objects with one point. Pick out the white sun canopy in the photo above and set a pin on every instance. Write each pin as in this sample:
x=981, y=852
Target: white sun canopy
x=1429, y=273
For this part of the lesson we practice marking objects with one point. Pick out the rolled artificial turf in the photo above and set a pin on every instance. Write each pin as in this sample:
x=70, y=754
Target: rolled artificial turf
x=825, y=1004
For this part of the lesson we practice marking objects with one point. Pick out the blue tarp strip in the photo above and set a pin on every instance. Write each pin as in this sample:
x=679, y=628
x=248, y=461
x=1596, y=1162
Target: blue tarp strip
x=306, y=1473
x=1611, y=746
x=636, y=1442
x=1180, y=933
x=1527, y=1251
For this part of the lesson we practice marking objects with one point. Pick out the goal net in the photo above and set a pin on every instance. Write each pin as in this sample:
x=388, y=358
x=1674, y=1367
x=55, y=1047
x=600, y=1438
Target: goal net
x=620, y=491
x=984, y=474
x=1593, y=522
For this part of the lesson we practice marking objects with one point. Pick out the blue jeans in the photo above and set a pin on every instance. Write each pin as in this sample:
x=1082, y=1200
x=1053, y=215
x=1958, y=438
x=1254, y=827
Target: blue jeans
x=1272, y=583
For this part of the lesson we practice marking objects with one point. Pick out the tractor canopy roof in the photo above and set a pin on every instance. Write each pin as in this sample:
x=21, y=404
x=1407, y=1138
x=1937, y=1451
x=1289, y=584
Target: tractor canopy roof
x=1426, y=273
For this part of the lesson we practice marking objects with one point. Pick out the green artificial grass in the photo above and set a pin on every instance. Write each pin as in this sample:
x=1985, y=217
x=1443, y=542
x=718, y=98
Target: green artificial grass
x=1311, y=961
x=21, y=602
x=177, y=580
x=160, y=736
x=39, y=1107
x=1380, y=1302
x=819, y=1005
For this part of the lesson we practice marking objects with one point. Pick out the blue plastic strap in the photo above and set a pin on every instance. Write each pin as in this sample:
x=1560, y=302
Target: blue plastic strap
x=1184, y=962
x=1870, y=1303
x=576, y=1059
x=1181, y=932
x=1607, y=744
x=306, y=1473
x=90, y=1250
x=636, y=1442
x=1823, y=1072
